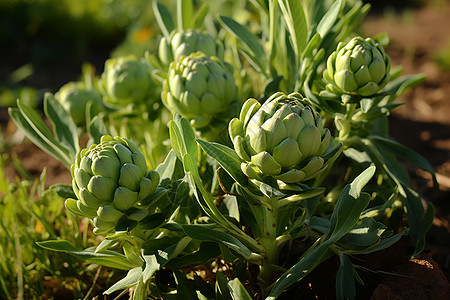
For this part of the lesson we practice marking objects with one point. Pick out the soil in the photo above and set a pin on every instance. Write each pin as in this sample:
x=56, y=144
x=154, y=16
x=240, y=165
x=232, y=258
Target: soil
x=422, y=124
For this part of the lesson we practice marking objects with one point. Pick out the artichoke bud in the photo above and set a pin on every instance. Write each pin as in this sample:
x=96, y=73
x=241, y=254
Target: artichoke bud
x=124, y=198
x=130, y=176
x=284, y=138
x=74, y=97
x=102, y=187
x=127, y=80
x=292, y=176
x=287, y=153
x=201, y=89
x=119, y=180
x=266, y=163
x=88, y=199
x=72, y=206
x=309, y=141
x=249, y=108
x=240, y=147
x=256, y=141
x=85, y=210
x=236, y=127
x=109, y=213
x=313, y=166
x=124, y=154
x=102, y=226
x=361, y=67
x=106, y=166
x=81, y=177
x=183, y=43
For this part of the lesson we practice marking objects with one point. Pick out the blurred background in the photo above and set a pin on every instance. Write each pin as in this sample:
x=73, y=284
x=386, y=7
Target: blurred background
x=47, y=43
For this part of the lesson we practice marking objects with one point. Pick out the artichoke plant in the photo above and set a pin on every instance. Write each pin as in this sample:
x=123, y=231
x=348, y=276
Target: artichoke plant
x=360, y=67
x=74, y=96
x=183, y=43
x=111, y=182
x=282, y=138
x=201, y=89
x=127, y=80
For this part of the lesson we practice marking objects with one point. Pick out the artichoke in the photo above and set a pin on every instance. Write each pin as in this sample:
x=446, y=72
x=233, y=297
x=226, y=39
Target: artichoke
x=360, y=67
x=127, y=80
x=201, y=89
x=111, y=182
x=74, y=96
x=283, y=138
x=183, y=43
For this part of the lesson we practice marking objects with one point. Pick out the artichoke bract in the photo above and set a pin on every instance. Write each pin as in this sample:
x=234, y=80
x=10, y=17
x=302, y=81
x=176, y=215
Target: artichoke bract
x=183, y=43
x=74, y=96
x=127, y=80
x=282, y=138
x=202, y=89
x=110, y=180
x=360, y=67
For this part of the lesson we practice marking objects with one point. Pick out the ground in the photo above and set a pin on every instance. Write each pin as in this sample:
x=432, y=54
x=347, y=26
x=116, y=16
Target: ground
x=422, y=124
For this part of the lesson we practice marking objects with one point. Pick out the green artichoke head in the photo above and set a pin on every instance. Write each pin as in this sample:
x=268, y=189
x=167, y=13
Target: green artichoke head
x=183, y=43
x=283, y=138
x=201, y=89
x=110, y=179
x=74, y=96
x=360, y=67
x=127, y=80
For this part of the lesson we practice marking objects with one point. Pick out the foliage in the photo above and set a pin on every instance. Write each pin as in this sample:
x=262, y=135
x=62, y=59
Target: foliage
x=301, y=162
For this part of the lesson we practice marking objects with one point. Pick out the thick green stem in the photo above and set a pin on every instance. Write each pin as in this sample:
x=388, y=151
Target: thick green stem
x=269, y=269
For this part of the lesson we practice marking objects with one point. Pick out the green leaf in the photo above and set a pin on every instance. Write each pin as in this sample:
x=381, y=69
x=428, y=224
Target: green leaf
x=402, y=84
x=96, y=129
x=295, y=19
x=105, y=258
x=254, y=49
x=151, y=265
x=184, y=14
x=36, y=130
x=64, y=190
x=382, y=244
x=205, y=233
x=366, y=233
x=227, y=158
x=164, y=18
x=345, y=279
x=314, y=256
x=63, y=125
x=386, y=144
x=238, y=291
x=206, y=252
x=329, y=19
x=182, y=137
x=167, y=168
x=199, y=16
x=419, y=220
x=133, y=277
x=222, y=289
x=350, y=205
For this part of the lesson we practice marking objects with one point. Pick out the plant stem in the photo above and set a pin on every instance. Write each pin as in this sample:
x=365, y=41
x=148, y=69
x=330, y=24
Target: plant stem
x=269, y=269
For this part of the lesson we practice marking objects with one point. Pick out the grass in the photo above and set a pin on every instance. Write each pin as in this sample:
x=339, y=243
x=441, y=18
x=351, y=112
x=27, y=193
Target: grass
x=31, y=213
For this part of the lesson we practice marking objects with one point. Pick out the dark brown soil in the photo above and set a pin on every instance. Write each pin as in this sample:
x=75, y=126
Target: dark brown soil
x=422, y=124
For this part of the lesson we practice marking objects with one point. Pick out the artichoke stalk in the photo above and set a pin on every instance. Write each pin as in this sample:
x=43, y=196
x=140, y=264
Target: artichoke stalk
x=361, y=67
x=201, y=89
x=127, y=81
x=111, y=182
x=75, y=96
x=183, y=43
x=284, y=138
